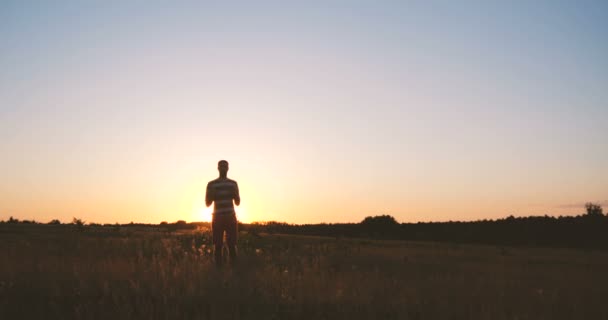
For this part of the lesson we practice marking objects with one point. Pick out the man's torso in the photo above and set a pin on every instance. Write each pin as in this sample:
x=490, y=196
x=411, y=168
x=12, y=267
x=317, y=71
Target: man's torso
x=223, y=192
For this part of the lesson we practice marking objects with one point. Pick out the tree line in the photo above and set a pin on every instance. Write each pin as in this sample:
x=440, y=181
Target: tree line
x=589, y=230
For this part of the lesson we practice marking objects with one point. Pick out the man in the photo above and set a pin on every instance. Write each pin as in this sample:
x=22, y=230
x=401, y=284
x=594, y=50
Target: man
x=222, y=192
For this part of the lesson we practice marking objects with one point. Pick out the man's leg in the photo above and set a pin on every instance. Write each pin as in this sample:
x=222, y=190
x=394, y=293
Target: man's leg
x=218, y=239
x=231, y=237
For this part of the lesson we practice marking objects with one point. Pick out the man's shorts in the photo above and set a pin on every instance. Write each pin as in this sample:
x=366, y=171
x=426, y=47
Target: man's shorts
x=224, y=223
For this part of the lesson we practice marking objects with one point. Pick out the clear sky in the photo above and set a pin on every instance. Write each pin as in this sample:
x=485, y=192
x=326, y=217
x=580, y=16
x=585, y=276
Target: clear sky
x=328, y=111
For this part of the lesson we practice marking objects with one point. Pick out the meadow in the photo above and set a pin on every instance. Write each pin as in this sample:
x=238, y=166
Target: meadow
x=66, y=272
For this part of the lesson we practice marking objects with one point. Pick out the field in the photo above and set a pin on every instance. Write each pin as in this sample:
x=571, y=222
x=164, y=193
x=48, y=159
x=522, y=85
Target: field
x=62, y=272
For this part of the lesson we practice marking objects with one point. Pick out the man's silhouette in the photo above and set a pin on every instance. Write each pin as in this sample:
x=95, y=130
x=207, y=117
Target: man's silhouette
x=222, y=192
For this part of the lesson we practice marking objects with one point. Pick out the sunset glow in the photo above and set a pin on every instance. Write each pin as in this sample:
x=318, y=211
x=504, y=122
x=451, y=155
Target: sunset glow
x=205, y=214
x=119, y=111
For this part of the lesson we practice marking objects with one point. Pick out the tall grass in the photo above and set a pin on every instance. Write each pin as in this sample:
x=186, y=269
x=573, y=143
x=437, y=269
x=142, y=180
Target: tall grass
x=105, y=273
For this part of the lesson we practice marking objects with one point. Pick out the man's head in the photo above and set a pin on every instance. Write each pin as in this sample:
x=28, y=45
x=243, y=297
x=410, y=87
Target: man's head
x=222, y=167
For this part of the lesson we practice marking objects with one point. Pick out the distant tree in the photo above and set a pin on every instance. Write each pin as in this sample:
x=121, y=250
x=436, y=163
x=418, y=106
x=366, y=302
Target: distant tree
x=383, y=220
x=594, y=209
x=55, y=222
x=78, y=223
x=164, y=223
x=180, y=224
x=383, y=226
x=13, y=220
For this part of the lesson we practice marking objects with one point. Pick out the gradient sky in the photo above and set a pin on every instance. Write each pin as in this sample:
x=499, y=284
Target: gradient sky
x=329, y=111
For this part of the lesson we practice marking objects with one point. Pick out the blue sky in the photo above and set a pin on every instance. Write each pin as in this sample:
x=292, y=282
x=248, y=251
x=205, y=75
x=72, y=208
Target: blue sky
x=327, y=111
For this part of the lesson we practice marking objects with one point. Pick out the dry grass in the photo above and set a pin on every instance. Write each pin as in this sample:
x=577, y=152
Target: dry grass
x=58, y=272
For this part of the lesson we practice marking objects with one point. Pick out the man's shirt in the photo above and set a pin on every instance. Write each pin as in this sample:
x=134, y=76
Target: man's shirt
x=222, y=192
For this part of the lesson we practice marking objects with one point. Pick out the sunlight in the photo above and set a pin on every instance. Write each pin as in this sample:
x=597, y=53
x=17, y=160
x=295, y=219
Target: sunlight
x=241, y=214
x=205, y=213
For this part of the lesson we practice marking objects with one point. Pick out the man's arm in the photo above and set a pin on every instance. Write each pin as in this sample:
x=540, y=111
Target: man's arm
x=237, y=197
x=209, y=195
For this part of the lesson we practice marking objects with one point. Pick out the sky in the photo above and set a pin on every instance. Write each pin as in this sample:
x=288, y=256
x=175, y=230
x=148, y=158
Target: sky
x=328, y=111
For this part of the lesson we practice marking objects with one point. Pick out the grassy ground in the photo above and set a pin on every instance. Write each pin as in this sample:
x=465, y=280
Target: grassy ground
x=127, y=273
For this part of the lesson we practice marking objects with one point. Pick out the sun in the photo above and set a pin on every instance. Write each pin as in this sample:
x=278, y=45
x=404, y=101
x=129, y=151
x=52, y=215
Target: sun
x=205, y=213
x=241, y=213
x=200, y=212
